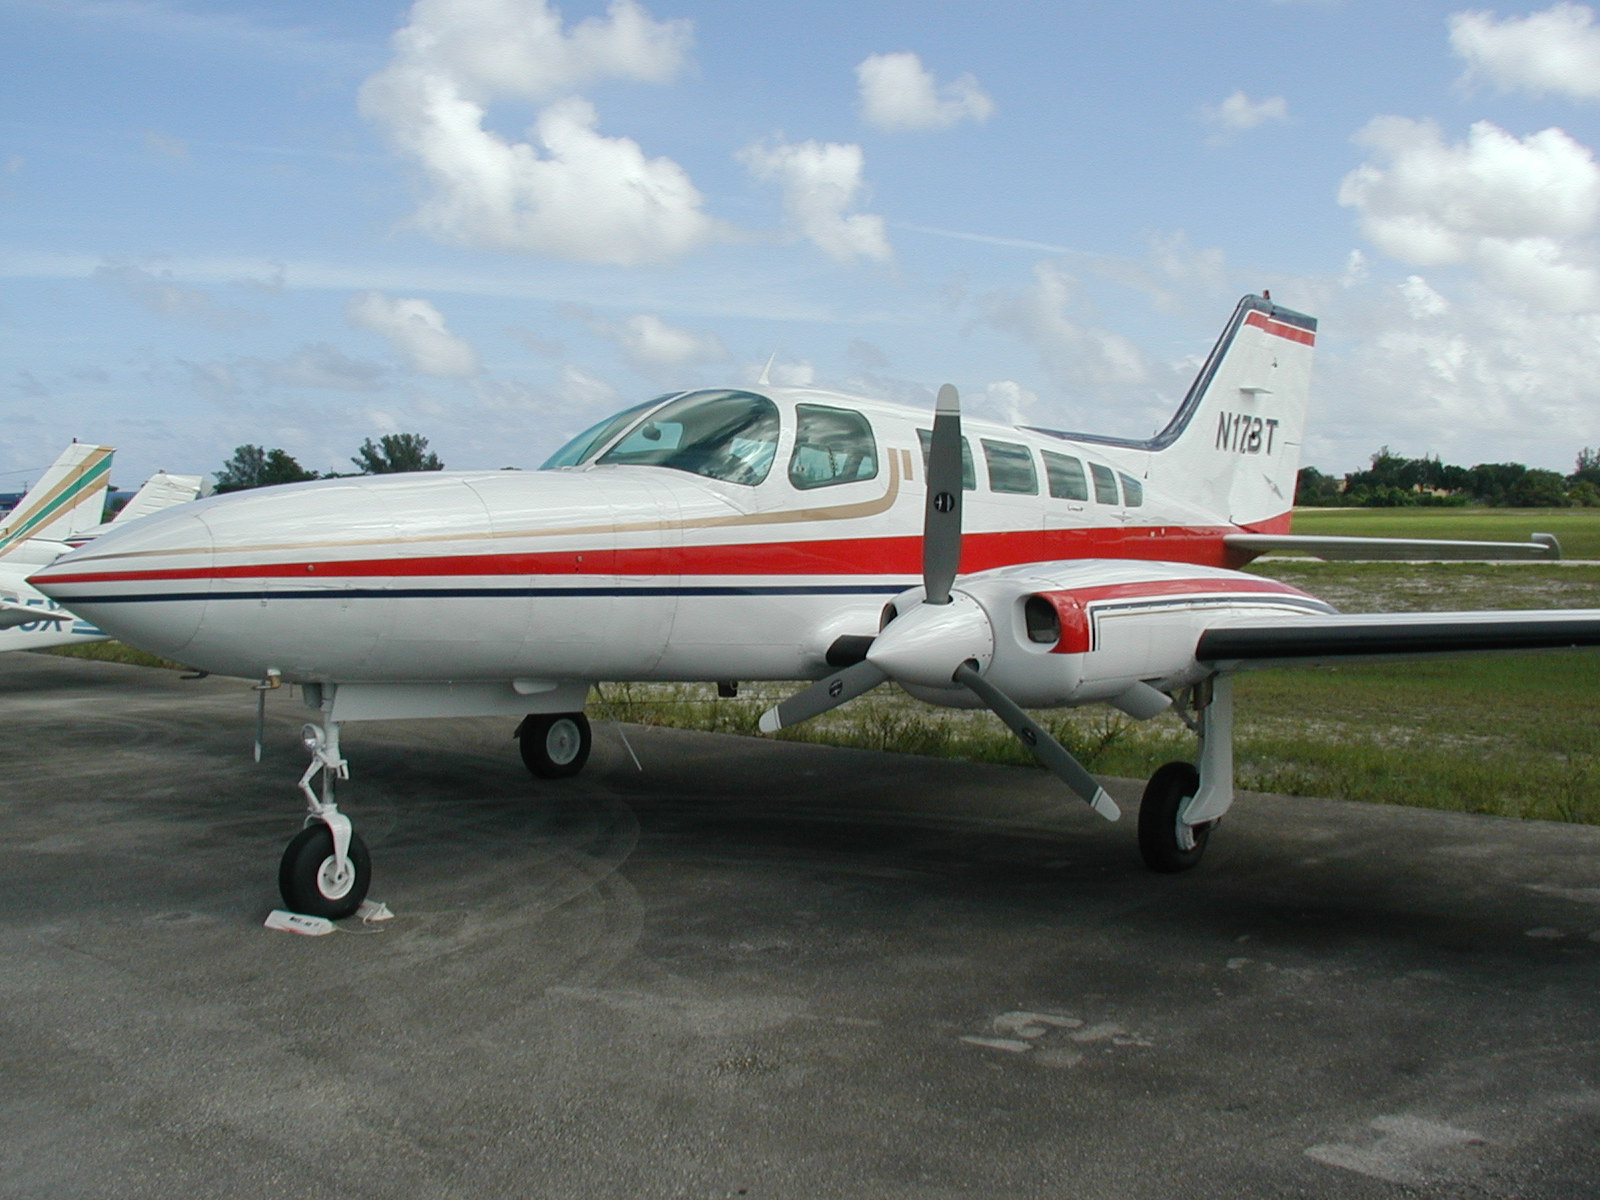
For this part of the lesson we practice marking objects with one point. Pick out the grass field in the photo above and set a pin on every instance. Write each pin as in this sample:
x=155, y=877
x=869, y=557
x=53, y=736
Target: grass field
x=1513, y=735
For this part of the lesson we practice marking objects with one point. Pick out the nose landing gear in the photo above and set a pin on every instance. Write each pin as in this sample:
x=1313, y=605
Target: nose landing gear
x=326, y=870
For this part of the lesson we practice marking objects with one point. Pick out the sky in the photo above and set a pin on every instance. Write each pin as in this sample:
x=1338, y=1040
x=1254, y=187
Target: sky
x=492, y=222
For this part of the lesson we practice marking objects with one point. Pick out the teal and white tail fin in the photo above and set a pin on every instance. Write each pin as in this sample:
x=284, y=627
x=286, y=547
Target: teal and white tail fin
x=69, y=498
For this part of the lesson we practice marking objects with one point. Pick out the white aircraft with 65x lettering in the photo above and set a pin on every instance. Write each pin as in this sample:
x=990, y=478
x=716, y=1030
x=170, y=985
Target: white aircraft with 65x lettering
x=787, y=534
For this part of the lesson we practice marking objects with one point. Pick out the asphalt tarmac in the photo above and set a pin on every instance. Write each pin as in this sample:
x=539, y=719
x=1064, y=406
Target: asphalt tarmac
x=756, y=969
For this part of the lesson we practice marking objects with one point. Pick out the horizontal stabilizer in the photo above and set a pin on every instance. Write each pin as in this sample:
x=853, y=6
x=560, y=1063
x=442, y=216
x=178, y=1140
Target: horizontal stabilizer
x=1375, y=549
x=1396, y=635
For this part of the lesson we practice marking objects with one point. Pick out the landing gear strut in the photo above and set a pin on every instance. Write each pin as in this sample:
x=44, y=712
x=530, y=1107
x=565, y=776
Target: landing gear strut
x=326, y=870
x=1182, y=804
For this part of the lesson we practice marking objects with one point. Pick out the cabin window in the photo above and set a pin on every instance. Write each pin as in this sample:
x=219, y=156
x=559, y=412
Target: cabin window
x=1010, y=468
x=1065, y=475
x=831, y=445
x=1105, y=484
x=1132, y=491
x=726, y=435
x=597, y=436
x=969, y=473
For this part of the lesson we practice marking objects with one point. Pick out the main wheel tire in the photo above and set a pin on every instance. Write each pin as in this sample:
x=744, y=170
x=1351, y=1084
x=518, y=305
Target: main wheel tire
x=554, y=745
x=1164, y=797
x=310, y=880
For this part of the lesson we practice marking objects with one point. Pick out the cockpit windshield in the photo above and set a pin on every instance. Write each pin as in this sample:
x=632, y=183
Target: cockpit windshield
x=726, y=435
x=597, y=436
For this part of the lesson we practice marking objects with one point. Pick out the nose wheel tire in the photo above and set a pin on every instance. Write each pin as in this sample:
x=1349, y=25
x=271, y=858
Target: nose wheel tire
x=313, y=881
x=1165, y=795
x=554, y=745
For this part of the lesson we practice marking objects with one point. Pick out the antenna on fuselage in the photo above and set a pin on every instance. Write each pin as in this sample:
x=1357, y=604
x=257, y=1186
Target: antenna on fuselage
x=766, y=371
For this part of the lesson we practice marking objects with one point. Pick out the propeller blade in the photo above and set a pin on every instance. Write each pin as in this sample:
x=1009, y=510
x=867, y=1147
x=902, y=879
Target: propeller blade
x=823, y=695
x=941, y=520
x=1036, y=738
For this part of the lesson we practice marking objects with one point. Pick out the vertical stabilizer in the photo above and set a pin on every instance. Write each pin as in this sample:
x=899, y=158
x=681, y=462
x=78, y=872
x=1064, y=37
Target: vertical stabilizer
x=70, y=498
x=160, y=491
x=1234, y=446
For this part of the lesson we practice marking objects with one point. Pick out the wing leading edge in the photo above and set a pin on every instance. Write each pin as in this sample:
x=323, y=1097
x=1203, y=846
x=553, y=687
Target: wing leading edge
x=1357, y=636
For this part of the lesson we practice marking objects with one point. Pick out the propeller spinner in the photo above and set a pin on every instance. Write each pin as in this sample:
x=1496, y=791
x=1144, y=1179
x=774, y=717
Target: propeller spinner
x=948, y=637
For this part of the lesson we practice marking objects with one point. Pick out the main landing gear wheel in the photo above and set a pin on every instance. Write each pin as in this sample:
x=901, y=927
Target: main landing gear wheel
x=1165, y=795
x=311, y=880
x=554, y=745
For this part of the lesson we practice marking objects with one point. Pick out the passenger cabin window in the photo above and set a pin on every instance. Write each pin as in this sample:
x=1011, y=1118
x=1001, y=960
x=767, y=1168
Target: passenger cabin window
x=731, y=436
x=1065, y=475
x=1105, y=484
x=1010, y=468
x=1132, y=491
x=831, y=445
x=969, y=473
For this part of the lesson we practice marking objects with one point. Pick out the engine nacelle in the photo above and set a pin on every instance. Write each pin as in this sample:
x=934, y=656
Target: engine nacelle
x=1102, y=631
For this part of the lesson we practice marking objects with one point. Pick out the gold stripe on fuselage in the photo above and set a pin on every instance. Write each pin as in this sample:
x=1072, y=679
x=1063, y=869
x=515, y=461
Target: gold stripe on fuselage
x=899, y=466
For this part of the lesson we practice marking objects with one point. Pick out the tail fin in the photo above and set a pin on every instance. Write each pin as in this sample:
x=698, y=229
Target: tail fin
x=69, y=498
x=1234, y=446
x=160, y=491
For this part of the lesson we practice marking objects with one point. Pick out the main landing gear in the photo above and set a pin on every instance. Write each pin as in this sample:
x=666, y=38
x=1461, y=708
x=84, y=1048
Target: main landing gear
x=554, y=745
x=1182, y=804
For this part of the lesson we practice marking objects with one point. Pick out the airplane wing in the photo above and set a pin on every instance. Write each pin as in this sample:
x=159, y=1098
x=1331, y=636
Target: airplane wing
x=1357, y=636
x=1377, y=549
x=13, y=614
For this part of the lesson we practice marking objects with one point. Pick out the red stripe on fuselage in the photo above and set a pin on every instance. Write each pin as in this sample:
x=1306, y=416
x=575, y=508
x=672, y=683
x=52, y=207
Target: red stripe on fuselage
x=846, y=556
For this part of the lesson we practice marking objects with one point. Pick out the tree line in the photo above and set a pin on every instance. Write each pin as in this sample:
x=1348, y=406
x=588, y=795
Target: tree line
x=253, y=466
x=1394, y=481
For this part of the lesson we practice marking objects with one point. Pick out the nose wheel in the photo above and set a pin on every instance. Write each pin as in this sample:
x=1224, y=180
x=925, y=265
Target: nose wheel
x=318, y=882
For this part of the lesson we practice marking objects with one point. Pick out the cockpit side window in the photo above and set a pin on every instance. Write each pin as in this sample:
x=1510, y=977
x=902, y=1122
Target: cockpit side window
x=831, y=445
x=726, y=435
x=596, y=437
x=969, y=473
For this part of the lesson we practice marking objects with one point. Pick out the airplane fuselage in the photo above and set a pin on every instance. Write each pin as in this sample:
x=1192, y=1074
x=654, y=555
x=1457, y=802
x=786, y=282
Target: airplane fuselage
x=625, y=571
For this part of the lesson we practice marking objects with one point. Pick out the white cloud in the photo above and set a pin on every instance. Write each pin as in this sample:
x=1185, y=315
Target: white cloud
x=1469, y=373
x=898, y=92
x=1557, y=50
x=416, y=331
x=567, y=190
x=1238, y=113
x=1520, y=211
x=650, y=346
x=319, y=366
x=160, y=292
x=1076, y=355
x=821, y=181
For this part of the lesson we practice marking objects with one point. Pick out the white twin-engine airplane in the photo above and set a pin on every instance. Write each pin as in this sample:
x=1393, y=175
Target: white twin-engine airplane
x=775, y=534
x=63, y=510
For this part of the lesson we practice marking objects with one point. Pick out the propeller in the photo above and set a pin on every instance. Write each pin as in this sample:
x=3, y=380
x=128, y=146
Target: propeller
x=948, y=637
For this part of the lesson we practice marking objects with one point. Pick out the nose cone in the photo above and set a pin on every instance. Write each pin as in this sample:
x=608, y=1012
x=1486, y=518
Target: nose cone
x=145, y=584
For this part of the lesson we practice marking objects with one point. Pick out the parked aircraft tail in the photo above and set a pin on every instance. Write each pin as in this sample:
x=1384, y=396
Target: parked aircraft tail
x=160, y=491
x=69, y=498
x=1233, y=448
